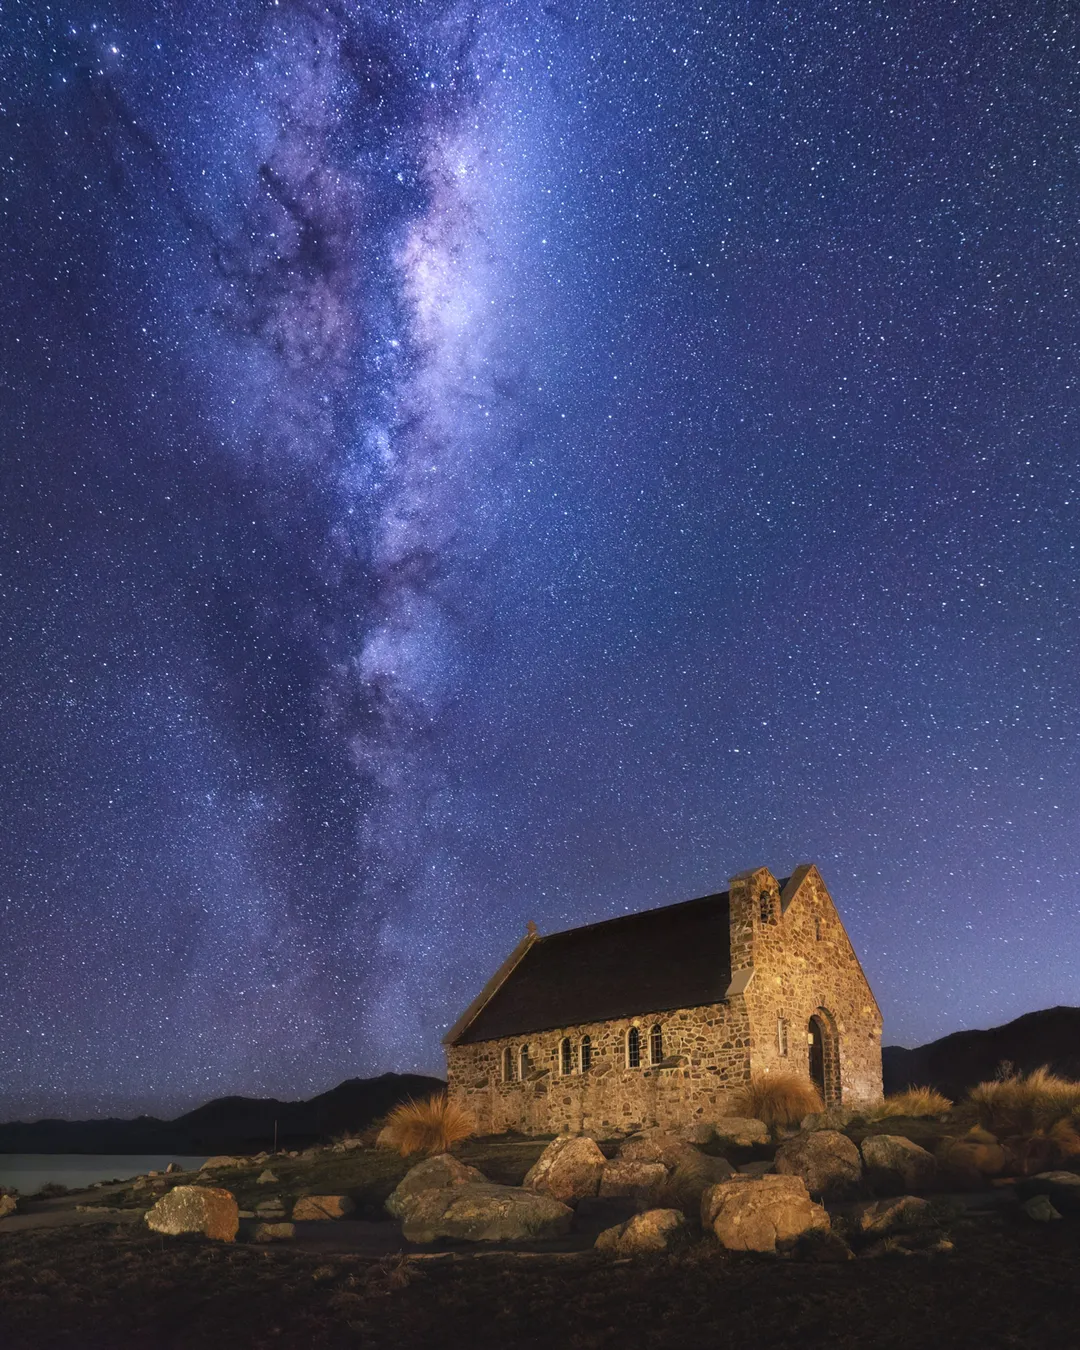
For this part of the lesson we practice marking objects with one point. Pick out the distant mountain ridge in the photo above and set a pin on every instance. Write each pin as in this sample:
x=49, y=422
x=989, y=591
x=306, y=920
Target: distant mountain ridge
x=956, y=1063
x=227, y=1124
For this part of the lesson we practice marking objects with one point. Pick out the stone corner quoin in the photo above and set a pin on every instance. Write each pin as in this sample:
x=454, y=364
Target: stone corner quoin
x=789, y=996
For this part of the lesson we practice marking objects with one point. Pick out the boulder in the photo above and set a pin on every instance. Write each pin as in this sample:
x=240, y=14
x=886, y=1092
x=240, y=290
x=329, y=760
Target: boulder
x=740, y=1131
x=641, y=1181
x=266, y=1177
x=656, y=1146
x=1061, y=1188
x=1040, y=1209
x=760, y=1168
x=655, y=1230
x=273, y=1232
x=173, y=1168
x=972, y=1157
x=568, y=1169
x=196, y=1209
x=438, y=1173
x=835, y=1118
x=221, y=1161
x=895, y=1164
x=703, y=1132
x=826, y=1160
x=693, y=1176
x=883, y=1216
x=8, y=1205
x=273, y=1207
x=481, y=1211
x=322, y=1207
x=385, y=1138
x=750, y=1214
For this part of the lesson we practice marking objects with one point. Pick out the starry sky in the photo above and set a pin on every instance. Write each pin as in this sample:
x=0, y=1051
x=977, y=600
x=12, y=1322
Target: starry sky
x=465, y=464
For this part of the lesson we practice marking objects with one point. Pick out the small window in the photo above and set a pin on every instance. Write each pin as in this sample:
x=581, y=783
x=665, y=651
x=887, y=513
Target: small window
x=523, y=1063
x=633, y=1048
x=508, y=1065
x=766, y=907
x=566, y=1056
x=586, y=1054
x=782, y=1035
x=656, y=1044
x=819, y=928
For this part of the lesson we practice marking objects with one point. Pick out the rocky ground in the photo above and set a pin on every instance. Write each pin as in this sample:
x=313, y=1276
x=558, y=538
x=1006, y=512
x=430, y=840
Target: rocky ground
x=968, y=1269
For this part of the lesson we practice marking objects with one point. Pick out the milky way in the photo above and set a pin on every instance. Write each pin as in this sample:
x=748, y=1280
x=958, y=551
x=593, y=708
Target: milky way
x=471, y=465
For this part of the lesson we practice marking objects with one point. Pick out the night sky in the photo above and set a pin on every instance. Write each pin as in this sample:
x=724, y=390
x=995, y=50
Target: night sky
x=464, y=465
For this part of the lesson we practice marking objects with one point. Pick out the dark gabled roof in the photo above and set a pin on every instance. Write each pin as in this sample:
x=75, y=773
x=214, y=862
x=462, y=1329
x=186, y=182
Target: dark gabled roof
x=675, y=957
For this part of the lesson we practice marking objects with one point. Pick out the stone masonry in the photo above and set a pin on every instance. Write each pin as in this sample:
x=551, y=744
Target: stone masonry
x=793, y=976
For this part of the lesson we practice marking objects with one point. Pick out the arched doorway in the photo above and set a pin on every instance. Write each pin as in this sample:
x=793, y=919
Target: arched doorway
x=824, y=1051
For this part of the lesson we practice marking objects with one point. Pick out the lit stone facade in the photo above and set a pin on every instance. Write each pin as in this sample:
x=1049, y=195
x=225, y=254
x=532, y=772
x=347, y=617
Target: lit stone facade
x=791, y=975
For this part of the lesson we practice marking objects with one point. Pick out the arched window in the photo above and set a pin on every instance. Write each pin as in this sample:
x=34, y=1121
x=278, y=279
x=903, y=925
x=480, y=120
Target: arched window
x=508, y=1065
x=586, y=1054
x=656, y=1045
x=781, y=1036
x=566, y=1056
x=633, y=1048
x=523, y=1063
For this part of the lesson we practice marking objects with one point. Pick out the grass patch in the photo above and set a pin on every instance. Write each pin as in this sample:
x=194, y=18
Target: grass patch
x=913, y=1103
x=429, y=1126
x=1026, y=1103
x=778, y=1099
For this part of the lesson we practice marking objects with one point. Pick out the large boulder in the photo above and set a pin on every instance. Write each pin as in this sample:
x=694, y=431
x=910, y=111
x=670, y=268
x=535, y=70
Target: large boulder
x=438, y=1173
x=641, y=1181
x=895, y=1164
x=319, y=1207
x=835, y=1118
x=208, y=1210
x=1062, y=1188
x=740, y=1131
x=972, y=1157
x=826, y=1160
x=221, y=1161
x=885, y=1216
x=274, y=1232
x=655, y=1230
x=691, y=1179
x=750, y=1214
x=568, y=1169
x=656, y=1146
x=8, y=1205
x=484, y=1212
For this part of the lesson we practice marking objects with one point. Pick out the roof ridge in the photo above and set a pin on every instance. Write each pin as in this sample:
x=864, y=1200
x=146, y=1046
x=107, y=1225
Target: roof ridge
x=634, y=914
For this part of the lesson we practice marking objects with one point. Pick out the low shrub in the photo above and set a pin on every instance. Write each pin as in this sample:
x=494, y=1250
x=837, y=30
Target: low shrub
x=912, y=1102
x=428, y=1126
x=778, y=1099
x=1026, y=1104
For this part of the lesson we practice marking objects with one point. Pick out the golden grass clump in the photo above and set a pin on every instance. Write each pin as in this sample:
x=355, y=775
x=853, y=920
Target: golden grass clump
x=913, y=1102
x=1025, y=1103
x=428, y=1126
x=778, y=1098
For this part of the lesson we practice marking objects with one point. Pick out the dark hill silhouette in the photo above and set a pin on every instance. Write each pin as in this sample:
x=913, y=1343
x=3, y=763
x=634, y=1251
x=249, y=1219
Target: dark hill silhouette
x=227, y=1124
x=957, y=1062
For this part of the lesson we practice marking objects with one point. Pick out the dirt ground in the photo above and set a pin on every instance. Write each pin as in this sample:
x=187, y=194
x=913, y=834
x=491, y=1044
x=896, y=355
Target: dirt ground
x=1006, y=1286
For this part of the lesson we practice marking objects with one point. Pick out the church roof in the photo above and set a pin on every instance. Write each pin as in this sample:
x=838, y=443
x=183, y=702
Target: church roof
x=675, y=957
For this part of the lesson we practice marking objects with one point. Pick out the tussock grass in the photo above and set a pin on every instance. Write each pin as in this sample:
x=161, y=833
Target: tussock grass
x=428, y=1126
x=778, y=1099
x=1026, y=1103
x=913, y=1102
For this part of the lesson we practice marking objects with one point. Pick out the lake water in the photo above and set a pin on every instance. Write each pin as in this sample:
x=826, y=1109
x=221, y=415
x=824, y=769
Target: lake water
x=28, y=1172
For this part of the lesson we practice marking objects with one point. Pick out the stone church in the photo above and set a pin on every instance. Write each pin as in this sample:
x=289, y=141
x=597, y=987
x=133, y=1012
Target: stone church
x=657, y=1018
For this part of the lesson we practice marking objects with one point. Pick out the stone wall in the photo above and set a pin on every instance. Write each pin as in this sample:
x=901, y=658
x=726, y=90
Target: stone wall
x=804, y=967
x=706, y=1056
